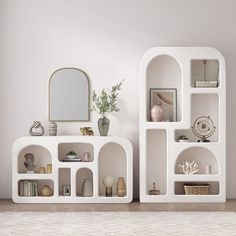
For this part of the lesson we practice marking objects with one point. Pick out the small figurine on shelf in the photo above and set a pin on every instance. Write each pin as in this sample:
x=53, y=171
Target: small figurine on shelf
x=36, y=129
x=108, y=182
x=29, y=163
x=86, y=131
x=154, y=191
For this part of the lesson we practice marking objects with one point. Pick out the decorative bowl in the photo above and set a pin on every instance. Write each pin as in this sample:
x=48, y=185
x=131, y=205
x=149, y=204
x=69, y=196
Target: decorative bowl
x=71, y=156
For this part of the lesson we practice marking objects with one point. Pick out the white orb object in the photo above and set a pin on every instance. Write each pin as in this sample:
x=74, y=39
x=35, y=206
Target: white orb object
x=109, y=181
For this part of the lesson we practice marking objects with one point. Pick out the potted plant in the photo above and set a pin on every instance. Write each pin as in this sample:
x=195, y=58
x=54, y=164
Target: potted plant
x=106, y=103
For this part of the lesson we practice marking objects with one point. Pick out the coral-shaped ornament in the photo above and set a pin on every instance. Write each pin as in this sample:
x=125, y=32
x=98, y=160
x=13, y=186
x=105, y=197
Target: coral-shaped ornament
x=189, y=168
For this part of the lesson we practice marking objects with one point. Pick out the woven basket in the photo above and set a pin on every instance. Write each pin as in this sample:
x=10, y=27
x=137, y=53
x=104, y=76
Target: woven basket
x=197, y=189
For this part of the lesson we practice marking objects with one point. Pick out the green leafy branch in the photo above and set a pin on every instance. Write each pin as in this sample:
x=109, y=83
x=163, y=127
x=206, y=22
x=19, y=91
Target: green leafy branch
x=106, y=102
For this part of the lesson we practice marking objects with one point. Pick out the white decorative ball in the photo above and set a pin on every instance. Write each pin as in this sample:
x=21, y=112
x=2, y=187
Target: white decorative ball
x=109, y=181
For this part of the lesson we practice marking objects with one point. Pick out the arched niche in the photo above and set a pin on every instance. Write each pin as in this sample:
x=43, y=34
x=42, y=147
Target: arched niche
x=202, y=156
x=81, y=175
x=42, y=157
x=112, y=162
x=164, y=72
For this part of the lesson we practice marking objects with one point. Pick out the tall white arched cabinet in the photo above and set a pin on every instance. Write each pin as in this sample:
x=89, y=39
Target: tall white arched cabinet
x=188, y=86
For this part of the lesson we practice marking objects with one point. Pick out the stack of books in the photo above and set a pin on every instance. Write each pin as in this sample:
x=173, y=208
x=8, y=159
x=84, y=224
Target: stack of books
x=28, y=188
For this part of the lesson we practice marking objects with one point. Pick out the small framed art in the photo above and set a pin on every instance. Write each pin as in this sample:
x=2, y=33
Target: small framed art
x=66, y=190
x=163, y=104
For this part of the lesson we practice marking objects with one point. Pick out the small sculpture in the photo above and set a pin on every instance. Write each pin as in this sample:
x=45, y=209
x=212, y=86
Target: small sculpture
x=36, y=129
x=189, y=168
x=154, y=191
x=29, y=163
x=203, y=128
x=86, y=131
x=120, y=187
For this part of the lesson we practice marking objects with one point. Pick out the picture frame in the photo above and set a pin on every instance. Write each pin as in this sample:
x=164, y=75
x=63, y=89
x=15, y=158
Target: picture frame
x=66, y=190
x=167, y=99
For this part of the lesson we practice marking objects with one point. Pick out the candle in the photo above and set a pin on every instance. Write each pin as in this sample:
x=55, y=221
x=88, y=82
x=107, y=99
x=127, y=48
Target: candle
x=207, y=169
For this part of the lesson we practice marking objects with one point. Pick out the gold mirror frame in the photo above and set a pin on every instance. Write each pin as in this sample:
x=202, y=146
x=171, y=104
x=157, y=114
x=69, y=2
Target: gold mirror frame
x=49, y=96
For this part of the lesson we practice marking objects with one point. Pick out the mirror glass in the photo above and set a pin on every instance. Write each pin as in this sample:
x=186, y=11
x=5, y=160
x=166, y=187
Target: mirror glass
x=69, y=95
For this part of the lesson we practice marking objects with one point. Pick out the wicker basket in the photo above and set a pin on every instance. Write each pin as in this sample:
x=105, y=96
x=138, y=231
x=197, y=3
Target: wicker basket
x=197, y=189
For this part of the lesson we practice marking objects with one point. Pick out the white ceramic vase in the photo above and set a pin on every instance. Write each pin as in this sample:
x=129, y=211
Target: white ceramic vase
x=87, y=157
x=87, y=188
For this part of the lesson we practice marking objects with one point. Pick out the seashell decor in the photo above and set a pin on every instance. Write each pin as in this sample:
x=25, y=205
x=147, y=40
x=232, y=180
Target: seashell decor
x=189, y=168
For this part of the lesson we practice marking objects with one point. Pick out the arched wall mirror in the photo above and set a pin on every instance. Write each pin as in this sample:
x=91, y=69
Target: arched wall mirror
x=69, y=95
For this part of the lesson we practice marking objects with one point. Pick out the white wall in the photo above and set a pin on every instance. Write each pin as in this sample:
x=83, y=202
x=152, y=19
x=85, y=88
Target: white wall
x=106, y=39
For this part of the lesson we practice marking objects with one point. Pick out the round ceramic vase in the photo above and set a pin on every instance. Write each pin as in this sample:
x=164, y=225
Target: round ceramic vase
x=157, y=113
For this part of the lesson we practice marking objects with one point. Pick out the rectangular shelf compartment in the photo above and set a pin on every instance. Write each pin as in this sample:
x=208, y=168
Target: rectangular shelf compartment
x=202, y=105
x=40, y=185
x=156, y=160
x=214, y=187
x=79, y=148
x=64, y=176
x=211, y=72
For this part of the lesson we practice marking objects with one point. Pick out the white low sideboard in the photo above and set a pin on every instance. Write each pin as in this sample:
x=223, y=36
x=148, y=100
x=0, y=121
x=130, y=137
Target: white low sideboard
x=110, y=156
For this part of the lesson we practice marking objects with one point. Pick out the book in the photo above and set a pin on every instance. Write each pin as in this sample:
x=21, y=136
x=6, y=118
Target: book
x=25, y=188
x=36, y=189
x=29, y=193
x=21, y=188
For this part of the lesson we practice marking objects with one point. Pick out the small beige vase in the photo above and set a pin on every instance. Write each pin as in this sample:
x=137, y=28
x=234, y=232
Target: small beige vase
x=120, y=187
x=157, y=113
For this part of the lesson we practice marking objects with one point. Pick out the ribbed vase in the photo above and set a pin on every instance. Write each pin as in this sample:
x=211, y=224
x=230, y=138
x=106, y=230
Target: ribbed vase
x=120, y=187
